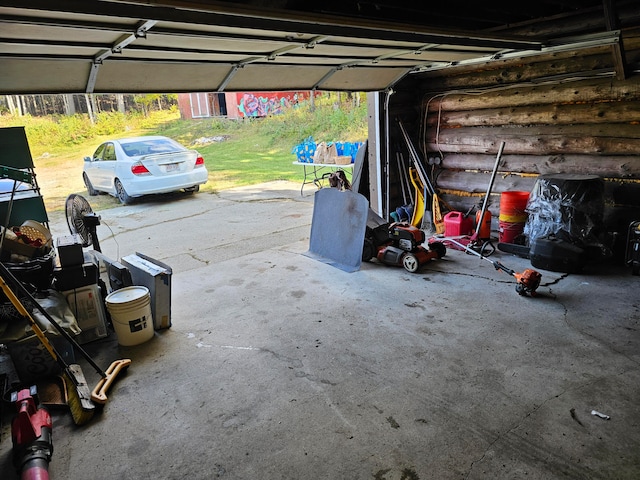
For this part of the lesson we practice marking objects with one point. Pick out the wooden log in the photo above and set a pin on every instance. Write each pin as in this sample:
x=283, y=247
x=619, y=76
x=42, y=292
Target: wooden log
x=466, y=203
x=539, y=140
x=587, y=91
x=470, y=188
x=518, y=70
x=616, y=166
x=510, y=72
x=474, y=182
x=558, y=114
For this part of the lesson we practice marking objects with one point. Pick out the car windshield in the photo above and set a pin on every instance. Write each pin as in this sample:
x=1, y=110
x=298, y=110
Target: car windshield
x=150, y=146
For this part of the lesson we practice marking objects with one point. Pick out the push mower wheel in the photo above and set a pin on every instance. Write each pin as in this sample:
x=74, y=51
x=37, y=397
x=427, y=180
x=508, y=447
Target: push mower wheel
x=439, y=248
x=410, y=263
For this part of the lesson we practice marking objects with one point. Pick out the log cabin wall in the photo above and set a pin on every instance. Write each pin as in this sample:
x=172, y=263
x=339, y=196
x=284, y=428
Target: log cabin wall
x=557, y=113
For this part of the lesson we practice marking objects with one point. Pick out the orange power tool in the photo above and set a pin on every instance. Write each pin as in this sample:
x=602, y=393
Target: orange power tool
x=527, y=281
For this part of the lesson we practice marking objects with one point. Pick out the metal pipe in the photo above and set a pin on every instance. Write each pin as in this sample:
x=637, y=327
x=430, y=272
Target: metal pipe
x=489, y=188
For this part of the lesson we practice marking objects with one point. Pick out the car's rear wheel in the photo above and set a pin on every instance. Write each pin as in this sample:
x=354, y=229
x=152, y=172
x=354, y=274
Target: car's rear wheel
x=194, y=189
x=122, y=194
x=90, y=190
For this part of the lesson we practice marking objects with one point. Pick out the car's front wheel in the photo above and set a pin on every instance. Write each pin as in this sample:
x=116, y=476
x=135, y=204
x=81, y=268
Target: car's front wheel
x=121, y=193
x=90, y=190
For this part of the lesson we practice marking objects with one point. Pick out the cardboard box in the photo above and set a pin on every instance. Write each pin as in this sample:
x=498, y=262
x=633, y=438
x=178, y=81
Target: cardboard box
x=87, y=306
x=156, y=276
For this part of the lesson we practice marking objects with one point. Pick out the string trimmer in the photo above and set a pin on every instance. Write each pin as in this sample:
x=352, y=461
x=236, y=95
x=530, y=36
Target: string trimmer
x=527, y=281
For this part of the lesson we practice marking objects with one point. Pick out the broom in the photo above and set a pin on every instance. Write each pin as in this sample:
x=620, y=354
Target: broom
x=99, y=393
x=79, y=396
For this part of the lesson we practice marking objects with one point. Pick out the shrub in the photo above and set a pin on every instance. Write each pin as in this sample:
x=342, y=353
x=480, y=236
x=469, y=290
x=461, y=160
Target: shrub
x=110, y=123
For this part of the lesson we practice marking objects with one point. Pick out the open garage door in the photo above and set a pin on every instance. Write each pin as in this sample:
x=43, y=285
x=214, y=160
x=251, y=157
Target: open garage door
x=80, y=46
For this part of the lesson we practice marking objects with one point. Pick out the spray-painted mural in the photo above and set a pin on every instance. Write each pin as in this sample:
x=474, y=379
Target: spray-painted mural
x=239, y=104
x=262, y=104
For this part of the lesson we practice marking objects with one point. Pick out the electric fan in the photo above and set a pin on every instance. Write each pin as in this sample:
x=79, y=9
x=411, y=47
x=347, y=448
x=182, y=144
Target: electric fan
x=82, y=220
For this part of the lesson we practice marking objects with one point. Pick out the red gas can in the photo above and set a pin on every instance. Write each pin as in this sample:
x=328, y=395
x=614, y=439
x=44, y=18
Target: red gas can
x=457, y=224
x=484, y=230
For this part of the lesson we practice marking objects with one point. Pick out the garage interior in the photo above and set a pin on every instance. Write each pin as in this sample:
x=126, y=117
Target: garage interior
x=379, y=373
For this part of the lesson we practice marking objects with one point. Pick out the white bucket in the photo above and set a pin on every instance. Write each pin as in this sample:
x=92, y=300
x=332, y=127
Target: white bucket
x=130, y=310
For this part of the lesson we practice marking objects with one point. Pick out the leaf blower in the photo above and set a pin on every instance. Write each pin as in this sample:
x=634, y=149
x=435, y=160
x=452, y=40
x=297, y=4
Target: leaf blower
x=31, y=433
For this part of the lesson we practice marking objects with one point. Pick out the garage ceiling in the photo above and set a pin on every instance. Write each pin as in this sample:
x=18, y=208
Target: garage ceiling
x=115, y=46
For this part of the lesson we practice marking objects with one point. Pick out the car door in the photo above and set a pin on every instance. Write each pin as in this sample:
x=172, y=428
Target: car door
x=92, y=167
x=108, y=166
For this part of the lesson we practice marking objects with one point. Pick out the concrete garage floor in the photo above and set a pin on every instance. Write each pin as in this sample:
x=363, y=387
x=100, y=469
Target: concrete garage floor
x=279, y=366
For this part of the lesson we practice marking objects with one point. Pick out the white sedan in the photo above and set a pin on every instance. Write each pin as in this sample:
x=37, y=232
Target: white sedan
x=132, y=167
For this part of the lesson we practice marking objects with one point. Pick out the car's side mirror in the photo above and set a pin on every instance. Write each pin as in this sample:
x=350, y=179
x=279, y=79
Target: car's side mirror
x=87, y=159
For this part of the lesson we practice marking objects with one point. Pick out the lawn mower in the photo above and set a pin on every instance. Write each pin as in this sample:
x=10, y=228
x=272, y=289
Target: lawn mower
x=399, y=244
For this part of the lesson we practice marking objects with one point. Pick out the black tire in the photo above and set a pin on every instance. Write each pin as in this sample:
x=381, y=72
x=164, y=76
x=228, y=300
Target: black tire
x=121, y=193
x=194, y=189
x=439, y=248
x=87, y=183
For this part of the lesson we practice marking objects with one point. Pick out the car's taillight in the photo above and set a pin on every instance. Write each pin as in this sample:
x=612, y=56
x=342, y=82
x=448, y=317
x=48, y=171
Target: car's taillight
x=199, y=161
x=139, y=169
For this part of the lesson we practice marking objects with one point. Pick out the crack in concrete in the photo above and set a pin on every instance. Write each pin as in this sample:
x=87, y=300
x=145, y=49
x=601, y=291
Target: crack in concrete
x=597, y=340
x=582, y=385
x=260, y=200
x=518, y=424
x=294, y=362
x=313, y=378
x=195, y=257
x=473, y=275
x=521, y=421
x=566, y=321
x=137, y=228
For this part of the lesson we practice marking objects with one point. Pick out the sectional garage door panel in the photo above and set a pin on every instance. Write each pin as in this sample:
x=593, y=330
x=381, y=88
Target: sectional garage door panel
x=107, y=46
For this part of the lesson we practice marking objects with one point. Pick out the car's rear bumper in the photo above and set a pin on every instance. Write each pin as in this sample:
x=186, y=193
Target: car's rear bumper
x=149, y=185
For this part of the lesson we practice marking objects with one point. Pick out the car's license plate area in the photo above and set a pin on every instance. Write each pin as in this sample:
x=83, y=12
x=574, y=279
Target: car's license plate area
x=172, y=167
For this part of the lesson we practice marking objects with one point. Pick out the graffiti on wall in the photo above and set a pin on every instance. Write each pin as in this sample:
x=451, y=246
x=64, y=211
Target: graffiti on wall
x=262, y=104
